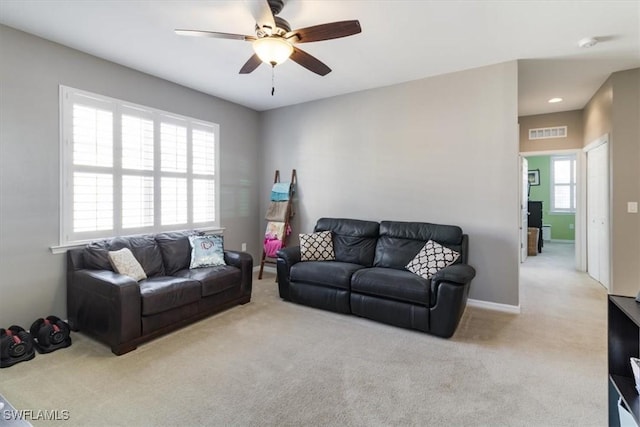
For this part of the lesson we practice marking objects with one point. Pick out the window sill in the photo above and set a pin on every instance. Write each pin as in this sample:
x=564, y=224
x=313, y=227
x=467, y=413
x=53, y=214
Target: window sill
x=562, y=212
x=61, y=249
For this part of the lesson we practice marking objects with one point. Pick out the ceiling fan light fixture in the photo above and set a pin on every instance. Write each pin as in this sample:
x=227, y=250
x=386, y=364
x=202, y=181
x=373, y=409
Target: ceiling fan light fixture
x=272, y=50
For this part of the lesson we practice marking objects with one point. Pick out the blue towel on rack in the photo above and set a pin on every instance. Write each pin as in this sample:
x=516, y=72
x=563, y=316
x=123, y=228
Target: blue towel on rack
x=280, y=191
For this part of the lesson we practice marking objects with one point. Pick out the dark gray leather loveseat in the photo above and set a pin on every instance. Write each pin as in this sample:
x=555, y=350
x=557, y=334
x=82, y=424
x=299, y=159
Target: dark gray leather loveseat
x=123, y=313
x=368, y=276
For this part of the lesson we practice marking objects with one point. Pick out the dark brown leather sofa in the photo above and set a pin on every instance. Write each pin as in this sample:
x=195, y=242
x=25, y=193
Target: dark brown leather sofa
x=122, y=313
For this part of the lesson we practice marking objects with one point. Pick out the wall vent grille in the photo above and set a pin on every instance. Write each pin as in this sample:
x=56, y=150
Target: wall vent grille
x=547, y=133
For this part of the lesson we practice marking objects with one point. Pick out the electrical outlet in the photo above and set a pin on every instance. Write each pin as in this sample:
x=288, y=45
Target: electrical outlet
x=632, y=207
x=244, y=247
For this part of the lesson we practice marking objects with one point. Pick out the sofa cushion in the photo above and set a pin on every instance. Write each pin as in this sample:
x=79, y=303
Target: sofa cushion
x=399, y=242
x=143, y=247
x=96, y=256
x=354, y=241
x=175, y=250
x=206, y=251
x=333, y=274
x=213, y=279
x=400, y=285
x=164, y=293
x=432, y=258
x=123, y=262
x=146, y=251
x=317, y=247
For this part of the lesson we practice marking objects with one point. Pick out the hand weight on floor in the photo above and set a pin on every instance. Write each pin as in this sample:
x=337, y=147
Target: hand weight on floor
x=50, y=334
x=16, y=345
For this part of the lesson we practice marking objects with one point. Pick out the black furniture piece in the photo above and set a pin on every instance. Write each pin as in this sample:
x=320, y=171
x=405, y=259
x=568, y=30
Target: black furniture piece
x=122, y=313
x=623, y=343
x=368, y=277
x=535, y=220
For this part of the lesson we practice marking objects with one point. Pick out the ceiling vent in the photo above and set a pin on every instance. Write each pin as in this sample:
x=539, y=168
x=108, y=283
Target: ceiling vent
x=546, y=133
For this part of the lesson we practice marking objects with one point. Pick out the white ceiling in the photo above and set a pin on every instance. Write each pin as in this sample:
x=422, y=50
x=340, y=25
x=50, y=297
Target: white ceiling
x=401, y=40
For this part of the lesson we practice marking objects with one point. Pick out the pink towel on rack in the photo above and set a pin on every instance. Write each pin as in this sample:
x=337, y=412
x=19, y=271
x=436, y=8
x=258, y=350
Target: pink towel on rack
x=272, y=245
x=272, y=238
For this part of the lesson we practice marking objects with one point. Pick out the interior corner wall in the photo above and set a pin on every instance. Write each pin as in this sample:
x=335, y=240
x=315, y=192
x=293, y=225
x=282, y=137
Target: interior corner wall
x=625, y=182
x=614, y=109
x=32, y=279
x=442, y=150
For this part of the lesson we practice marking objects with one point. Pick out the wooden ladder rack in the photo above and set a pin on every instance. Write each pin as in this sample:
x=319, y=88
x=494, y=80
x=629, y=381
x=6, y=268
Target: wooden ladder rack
x=287, y=218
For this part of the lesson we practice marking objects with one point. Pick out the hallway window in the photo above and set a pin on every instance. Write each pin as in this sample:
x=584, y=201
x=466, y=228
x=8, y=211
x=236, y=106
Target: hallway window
x=563, y=184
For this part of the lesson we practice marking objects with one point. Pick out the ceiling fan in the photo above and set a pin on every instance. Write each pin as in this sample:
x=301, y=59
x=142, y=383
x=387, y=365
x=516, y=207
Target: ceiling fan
x=275, y=42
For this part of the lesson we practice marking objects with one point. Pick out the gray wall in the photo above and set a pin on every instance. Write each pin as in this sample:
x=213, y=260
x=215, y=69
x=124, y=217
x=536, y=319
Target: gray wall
x=440, y=150
x=625, y=183
x=32, y=279
x=615, y=109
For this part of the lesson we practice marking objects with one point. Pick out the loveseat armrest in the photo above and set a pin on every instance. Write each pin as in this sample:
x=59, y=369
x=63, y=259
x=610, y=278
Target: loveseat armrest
x=449, y=293
x=104, y=304
x=456, y=273
x=243, y=261
x=287, y=257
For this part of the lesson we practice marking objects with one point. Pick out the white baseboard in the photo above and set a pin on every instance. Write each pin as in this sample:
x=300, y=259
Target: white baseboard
x=266, y=268
x=505, y=308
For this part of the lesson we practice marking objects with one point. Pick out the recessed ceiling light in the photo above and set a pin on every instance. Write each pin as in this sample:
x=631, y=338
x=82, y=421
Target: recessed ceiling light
x=588, y=42
x=554, y=100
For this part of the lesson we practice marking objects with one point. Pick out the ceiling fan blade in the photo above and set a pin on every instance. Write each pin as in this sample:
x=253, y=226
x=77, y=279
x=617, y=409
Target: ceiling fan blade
x=251, y=64
x=333, y=30
x=309, y=62
x=261, y=11
x=214, y=34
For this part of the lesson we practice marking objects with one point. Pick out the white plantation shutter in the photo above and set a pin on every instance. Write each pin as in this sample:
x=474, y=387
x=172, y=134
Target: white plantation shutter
x=137, y=201
x=204, y=200
x=204, y=152
x=137, y=158
x=137, y=143
x=204, y=160
x=129, y=169
x=173, y=140
x=92, y=136
x=174, y=201
x=92, y=202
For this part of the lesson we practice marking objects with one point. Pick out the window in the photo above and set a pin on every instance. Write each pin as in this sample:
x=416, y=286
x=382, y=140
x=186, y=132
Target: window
x=129, y=169
x=563, y=184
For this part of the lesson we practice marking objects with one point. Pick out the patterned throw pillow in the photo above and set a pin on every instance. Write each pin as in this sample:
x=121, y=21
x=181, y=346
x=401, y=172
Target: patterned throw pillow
x=206, y=251
x=432, y=258
x=317, y=247
x=123, y=262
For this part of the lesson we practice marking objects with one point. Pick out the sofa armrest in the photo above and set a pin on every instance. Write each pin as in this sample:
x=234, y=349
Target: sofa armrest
x=244, y=261
x=457, y=273
x=449, y=292
x=287, y=257
x=290, y=255
x=104, y=304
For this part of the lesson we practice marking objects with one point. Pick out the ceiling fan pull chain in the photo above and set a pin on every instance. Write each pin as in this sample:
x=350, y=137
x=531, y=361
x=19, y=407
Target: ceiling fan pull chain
x=273, y=78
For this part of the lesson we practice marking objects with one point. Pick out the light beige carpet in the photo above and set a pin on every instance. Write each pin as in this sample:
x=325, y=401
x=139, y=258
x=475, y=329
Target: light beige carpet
x=279, y=364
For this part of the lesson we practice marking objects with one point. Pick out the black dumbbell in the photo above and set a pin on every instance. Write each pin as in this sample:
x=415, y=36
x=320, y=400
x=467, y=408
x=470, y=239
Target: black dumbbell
x=50, y=334
x=16, y=345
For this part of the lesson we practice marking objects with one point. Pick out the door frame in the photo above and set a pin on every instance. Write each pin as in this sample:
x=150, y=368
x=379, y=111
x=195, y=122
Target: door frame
x=524, y=197
x=581, y=200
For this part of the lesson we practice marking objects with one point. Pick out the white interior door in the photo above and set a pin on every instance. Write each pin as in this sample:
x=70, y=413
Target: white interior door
x=524, y=208
x=598, y=213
